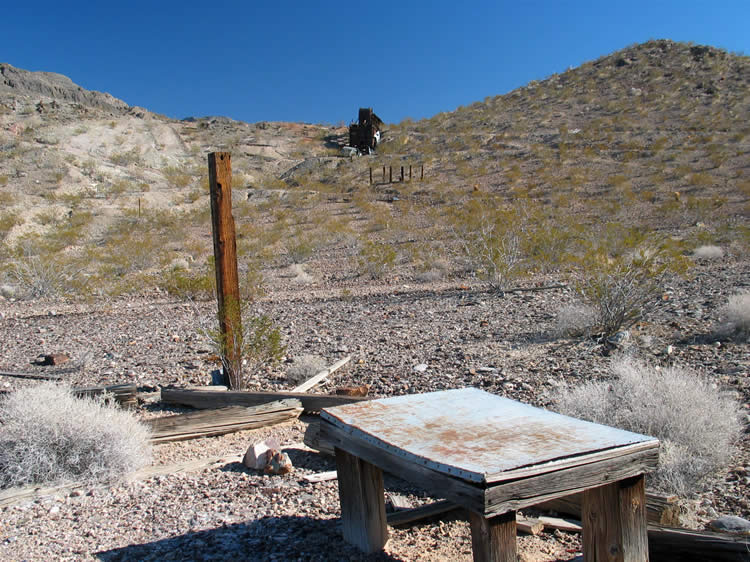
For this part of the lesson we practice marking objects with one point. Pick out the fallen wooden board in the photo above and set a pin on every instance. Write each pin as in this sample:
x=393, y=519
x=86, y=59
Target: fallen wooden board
x=207, y=399
x=321, y=476
x=322, y=375
x=678, y=545
x=12, y=496
x=660, y=509
x=125, y=395
x=421, y=513
x=561, y=524
x=207, y=423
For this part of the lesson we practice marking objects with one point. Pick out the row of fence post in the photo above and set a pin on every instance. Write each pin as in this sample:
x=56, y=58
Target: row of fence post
x=390, y=174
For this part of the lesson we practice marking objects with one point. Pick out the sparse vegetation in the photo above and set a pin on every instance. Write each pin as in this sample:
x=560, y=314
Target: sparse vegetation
x=48, y=436
x=696, y=424
x=735, y=317
x=304, y=367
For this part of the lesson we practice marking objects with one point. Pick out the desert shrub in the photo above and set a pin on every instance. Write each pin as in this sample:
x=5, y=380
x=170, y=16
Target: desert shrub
x=734, y=317
x=258, y=343
x=376, y=258
x=574, y=320
x=696, y=423
x=708, y=253
x=49, y=436
x=623, y=273
x=304, y=367
x=184, y=284
x=491, y=239
x=45, y=276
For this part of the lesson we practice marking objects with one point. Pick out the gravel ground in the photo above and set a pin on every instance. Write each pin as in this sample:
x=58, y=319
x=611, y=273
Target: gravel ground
x=465, y=336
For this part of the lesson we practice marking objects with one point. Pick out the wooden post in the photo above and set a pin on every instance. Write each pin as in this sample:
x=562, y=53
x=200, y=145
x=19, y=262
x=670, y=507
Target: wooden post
x=383, y=174
x=390, y=174
x=402, y=173
x=494, y=539
x=225, y=255
x=370, y=176
x=614, y=522
x=409, y=172
x=139, y=207
x=422, y=176
x=362, y=498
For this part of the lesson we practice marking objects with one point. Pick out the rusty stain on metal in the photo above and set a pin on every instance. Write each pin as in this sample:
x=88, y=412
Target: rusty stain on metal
x=470, y=433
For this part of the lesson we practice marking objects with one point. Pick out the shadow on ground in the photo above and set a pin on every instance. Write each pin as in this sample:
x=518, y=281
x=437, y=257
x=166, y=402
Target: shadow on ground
x=269, y=538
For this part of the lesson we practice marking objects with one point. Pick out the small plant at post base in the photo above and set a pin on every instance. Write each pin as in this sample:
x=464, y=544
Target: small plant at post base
x=258, y=342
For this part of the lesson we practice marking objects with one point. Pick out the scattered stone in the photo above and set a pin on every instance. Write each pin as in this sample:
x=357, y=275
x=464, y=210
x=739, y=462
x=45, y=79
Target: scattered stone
x=278, y=463
x=258, y=455
x=53, y=359
x=421, y=368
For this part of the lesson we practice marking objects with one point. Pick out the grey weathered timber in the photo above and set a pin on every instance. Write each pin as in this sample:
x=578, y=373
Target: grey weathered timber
x=203, y=399
x=667, y=544
x=126, y=395
x=660, y=509
x=362, y=502
x=207, y=423
x=422, y=512
x=614, y=522
x=494, y=539
x=313, y=440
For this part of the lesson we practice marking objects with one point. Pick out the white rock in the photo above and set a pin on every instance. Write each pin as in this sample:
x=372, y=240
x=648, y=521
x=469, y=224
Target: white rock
x=257, y=455
x=421, y=368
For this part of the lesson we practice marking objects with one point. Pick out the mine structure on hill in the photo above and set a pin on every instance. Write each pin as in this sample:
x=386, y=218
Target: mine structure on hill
x=365, y=135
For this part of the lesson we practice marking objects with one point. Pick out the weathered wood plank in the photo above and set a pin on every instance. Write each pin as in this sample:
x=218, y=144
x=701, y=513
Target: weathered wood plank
x=421, y=513
x=660, y=509
x=314, y=440
x=322, y=375
x=321, y=476
x=206, y=399
x=125, y=395
x=362, y=500
x=667, y=544
x=493, y=539
x=614, y=522
x=561, y=524
x=207, y=423
x=530, y=491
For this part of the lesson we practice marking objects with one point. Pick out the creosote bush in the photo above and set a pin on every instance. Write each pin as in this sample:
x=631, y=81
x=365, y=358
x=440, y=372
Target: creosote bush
x=696, y=423
x=708, y=253
x=48, y=436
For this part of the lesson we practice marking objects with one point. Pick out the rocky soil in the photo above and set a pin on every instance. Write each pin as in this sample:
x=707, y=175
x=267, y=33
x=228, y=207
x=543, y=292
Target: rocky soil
x=404, y=338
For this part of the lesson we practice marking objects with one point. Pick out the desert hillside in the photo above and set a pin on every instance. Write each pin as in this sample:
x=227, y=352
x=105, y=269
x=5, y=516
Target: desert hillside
x=570, y=236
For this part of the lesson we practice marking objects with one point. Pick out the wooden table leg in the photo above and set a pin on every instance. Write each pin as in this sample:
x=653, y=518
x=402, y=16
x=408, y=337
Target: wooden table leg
x=362, y=502
x=494, y=539
x=614, y=522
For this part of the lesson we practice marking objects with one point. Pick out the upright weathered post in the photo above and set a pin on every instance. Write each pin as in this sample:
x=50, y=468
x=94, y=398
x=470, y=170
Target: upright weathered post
x=422, y=176
x=390, y=174
x=383, y=174
x=370, y=176
x=225, y=255
x=402, y=174
x=409, y=172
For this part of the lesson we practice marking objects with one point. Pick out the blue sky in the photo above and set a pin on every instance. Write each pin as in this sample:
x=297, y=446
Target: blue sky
x=318, y=62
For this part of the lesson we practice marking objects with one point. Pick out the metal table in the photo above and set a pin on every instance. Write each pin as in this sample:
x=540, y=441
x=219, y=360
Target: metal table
x=493, y=456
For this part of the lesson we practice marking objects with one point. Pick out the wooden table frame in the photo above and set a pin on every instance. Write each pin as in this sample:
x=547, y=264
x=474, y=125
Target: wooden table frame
x=612, y=482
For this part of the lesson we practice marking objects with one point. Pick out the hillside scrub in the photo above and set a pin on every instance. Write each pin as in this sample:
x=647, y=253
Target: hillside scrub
x=696, y=423
x=735, y=317
x=48, y=436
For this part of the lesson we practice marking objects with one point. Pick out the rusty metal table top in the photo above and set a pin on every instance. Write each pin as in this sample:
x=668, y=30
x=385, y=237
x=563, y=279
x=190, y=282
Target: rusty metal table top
x=475, y=435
